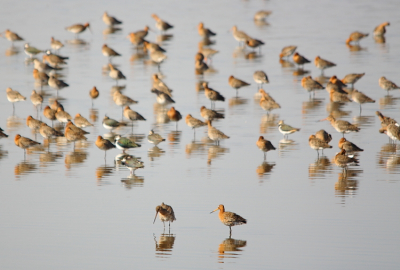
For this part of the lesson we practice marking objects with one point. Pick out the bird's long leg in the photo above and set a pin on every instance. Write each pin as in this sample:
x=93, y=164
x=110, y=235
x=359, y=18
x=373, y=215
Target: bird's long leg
x=264, y=156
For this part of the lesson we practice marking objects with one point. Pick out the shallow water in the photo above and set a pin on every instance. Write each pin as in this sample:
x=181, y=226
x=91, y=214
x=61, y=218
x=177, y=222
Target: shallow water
x=70, y=209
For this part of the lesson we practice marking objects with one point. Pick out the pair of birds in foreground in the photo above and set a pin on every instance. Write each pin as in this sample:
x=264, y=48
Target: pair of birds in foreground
x=230, y=219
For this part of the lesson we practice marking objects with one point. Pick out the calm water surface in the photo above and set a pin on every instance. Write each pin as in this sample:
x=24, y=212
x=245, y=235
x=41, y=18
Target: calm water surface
x=65, y=209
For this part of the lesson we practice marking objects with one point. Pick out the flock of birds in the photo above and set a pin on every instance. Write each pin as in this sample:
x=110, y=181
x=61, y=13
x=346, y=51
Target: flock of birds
x=45, y=73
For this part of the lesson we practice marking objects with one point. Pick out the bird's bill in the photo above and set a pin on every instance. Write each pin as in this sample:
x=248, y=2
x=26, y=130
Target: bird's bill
x=90, y=29
x=214, y=210
x=155, y=217
x=325, y=119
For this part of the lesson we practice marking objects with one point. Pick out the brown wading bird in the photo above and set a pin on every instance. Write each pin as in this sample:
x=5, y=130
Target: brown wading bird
x=239, y=35
x=287, y=51
x=56, y=44
x=174, y=115
x=349, y=146
x=356, y=37
x=393, y=131
x=210, y=115
x=342, y=160
x=204, y=32
x=254, y=43
x=236, y=83
x=229, y=219
x=73, y=136
x=11, y=36
x=2, y=134
x=317, y=144
x=300, y=60
x=49, y=114
x=81, y=121
x=341, y=125
x=385, y=121
x=132, y=115
x=260, y=77
x=360, y=98
x=323, y=136
x=212, y=95
x=323, y=64
x=116, y=74
x=160, y=85
x=194, y=123
x=94, y=93
x=352, y=78
x=200, y=66
x=110, y=21
x=215, y=134
x=166, y=214
x=24, y=143
x=161, y=25
x=14, y=96
x=387, y=85
x=267, y=103
x=336, y=85
x=380, y=30
x=310, y=85
x=104, y=144
x=78, y=28
x=264, y=145
x=108, y=52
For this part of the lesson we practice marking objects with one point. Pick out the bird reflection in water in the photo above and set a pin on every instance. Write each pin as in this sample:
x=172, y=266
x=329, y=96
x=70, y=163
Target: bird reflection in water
x=12, y=51
x=199, y=86
x=387, y=102
x=320, y=168
x=49, y=158
x=93, y=115
x=103, y=172
x=322, y=79
x=388, y=158
x=300, y=72
x=110, y=30
x=14, y=123
x=286, y=146
x=164, y=245
x=347, y=183
x=269, y=122
x=286, y=64
x=174, y=137
x=77, y=42
x=334, y=108
x=380, y=39
x=198, y=148
x=215, y=151
x=132, y=180
x=364, y=121
x=230, y=248
x=3, y=153
x=355, y=48
x=311, y=106
x=155, y=152
x=264, y=170
x=116, y=88
x=160, y=113
x=235, y=101
x=161, y=38
x=24, y=168
x=77, y=157
x=138, y=56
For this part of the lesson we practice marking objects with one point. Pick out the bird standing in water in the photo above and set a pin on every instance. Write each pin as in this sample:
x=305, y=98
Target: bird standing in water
x=228, y=218
x=166, y=214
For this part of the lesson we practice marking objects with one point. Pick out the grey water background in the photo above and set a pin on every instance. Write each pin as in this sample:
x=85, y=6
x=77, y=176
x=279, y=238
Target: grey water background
x=70, y=210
